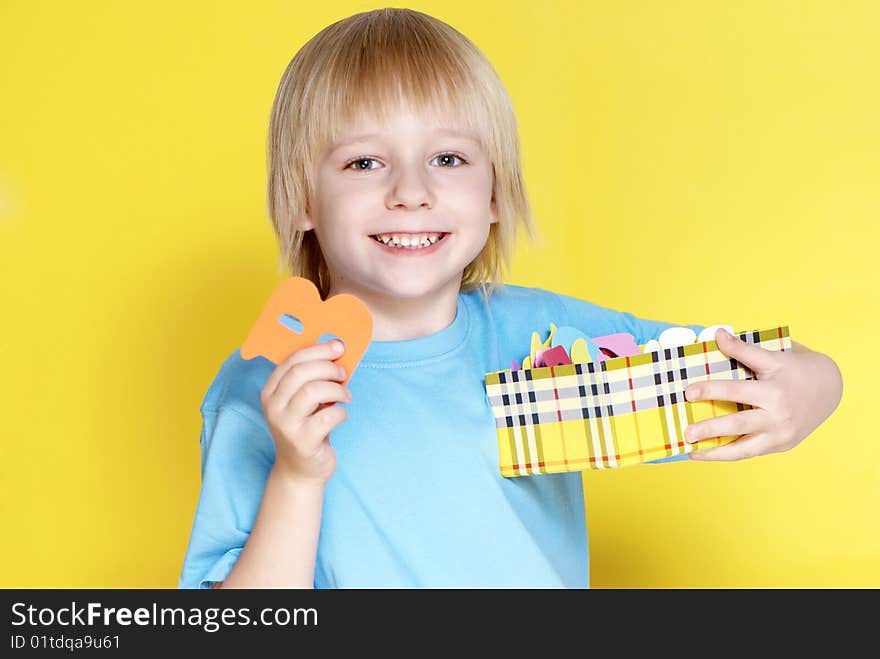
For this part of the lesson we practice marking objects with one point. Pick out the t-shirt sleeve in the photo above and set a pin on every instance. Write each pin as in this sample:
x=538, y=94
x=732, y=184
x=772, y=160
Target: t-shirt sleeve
x=237, y=454
x=582, y=314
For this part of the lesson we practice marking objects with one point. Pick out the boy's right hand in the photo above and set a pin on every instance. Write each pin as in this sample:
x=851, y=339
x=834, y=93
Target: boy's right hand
x=298, y=402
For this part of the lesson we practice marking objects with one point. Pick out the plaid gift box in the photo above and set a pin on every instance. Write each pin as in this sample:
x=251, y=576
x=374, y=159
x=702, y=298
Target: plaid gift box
x=612, y=413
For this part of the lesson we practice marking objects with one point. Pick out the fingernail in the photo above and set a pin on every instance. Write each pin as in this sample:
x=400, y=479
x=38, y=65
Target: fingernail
x=692, y=393
x=337, y=345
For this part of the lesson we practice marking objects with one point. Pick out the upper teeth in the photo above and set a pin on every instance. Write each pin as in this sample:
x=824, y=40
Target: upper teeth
x=409, y=240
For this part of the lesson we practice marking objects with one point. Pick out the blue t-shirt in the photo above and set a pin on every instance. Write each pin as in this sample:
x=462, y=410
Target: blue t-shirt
x=417, y=499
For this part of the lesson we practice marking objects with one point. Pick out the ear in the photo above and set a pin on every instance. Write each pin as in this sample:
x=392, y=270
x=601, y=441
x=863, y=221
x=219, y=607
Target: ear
x=306, y=223
x=493, y=211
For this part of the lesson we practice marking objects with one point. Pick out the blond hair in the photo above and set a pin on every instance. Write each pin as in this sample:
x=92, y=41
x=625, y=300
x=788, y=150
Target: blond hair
x=369, y=62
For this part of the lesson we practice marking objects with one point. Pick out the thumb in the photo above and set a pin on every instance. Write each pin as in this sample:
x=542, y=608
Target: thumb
x=758, y=359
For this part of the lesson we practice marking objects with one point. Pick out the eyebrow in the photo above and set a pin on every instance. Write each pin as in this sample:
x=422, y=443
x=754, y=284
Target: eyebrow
x=440, y=132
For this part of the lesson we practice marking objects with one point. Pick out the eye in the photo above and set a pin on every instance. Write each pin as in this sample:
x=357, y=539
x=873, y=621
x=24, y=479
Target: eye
x=448, y=156
x=358, y=161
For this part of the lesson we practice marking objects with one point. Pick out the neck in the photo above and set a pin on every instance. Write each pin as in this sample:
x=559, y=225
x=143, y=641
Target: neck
x=402, y=319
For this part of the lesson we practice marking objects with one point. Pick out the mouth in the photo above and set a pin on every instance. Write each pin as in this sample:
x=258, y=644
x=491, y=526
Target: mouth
x=410, y=242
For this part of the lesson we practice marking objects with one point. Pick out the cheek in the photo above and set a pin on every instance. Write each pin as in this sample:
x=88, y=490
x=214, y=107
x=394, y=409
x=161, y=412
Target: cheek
x=473, y=195
x=340, y=208
x=479, y=189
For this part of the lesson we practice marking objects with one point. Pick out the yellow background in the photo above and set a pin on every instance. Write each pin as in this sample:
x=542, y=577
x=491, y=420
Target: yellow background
x=695, y=162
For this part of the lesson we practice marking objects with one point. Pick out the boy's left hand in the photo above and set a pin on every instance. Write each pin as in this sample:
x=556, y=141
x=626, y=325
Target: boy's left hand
x=794, y=392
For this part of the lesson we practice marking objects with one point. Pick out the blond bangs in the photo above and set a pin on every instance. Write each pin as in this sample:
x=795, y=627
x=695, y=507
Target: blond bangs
x=371, y=63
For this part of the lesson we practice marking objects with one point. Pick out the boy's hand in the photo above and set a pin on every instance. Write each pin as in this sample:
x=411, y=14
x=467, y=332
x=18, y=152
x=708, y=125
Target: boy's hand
x=298, y=405
x=794, y=392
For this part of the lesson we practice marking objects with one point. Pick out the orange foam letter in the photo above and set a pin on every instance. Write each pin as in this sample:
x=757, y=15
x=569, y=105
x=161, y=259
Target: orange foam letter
x=342, y=315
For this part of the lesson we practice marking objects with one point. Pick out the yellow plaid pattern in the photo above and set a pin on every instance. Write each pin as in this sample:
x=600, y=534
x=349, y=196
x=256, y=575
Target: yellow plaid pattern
x=612, y=413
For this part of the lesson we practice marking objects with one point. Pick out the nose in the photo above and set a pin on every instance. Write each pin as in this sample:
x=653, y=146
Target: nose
x=410, y=188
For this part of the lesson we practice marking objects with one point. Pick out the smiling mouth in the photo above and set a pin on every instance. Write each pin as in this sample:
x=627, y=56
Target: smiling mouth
x=412, y=241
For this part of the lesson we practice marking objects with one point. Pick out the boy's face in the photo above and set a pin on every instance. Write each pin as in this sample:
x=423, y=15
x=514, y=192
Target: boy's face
x=405, y=182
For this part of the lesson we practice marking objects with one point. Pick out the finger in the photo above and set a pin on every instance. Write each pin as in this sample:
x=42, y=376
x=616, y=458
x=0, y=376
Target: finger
x=327, y=350
x=300, y=374
x=727, y=425
x=312, y=394
x=748, y=446
x=748, y=392
x=319, y=425
x=755, y=357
